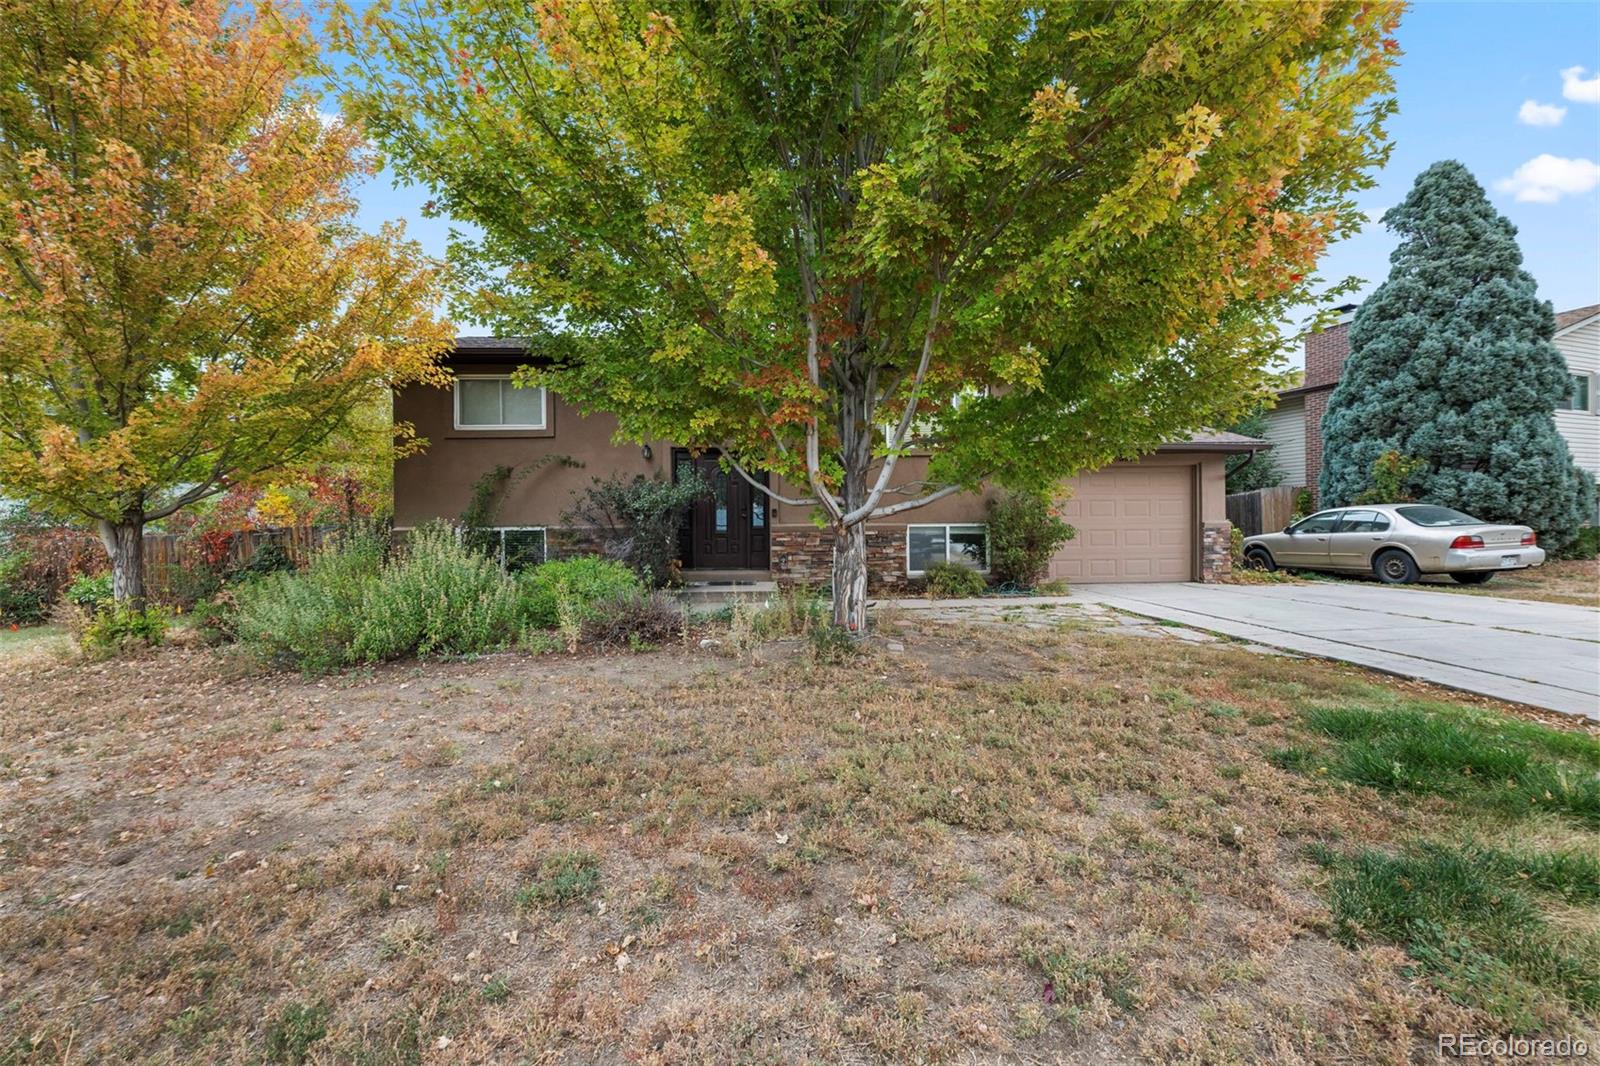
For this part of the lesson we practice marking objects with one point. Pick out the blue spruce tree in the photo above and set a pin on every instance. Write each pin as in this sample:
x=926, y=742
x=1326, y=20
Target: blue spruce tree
x=1451, y=365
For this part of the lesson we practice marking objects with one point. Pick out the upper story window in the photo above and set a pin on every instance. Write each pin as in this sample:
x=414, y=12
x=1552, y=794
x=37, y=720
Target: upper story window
x=1582, y=397
x=485, y=401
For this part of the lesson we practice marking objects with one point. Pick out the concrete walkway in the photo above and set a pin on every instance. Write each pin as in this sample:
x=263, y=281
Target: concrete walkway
x=1541, y=654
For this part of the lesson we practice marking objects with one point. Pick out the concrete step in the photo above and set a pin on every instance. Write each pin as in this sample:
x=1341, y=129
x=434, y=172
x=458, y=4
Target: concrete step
x=714, y=596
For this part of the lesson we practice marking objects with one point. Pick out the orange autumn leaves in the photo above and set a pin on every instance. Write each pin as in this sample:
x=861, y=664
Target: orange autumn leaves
x=184, y=299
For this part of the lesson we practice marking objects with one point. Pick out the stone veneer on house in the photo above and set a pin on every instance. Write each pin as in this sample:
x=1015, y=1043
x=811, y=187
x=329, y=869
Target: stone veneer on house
x=805, y=557
x=1216, y=551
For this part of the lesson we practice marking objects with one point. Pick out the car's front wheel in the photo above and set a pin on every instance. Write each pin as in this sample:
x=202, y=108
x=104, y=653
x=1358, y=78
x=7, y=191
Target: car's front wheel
x=1474, y=577
x=1259, y=559
x=1395, y=568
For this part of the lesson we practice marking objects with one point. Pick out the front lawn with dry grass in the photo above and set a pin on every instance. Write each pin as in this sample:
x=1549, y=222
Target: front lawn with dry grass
x=1057, y=845
x=1561, y=581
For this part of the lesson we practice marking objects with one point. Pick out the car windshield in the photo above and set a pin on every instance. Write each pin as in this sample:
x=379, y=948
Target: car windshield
x=1437, y=516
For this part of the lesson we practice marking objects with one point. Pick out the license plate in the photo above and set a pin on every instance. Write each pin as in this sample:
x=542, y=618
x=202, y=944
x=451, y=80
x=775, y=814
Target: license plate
x=1510, y=560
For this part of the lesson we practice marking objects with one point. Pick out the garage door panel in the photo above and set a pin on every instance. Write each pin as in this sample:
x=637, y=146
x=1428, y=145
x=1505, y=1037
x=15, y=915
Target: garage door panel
x=1134, y=524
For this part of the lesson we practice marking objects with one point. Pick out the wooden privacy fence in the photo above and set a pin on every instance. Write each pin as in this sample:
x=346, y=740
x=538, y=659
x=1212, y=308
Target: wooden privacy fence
x=1264, y=510
x=162, y=550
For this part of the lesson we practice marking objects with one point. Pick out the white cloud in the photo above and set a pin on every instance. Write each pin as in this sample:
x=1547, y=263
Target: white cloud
x=1546, y=178
x=1534, y=113
x=1574, y=87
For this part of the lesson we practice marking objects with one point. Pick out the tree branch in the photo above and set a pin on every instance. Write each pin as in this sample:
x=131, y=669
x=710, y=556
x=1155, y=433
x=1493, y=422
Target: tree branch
x=910, y=505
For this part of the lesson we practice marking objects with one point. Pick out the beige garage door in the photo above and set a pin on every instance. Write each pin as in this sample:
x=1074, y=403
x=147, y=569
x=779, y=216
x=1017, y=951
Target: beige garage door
x=1134, y=523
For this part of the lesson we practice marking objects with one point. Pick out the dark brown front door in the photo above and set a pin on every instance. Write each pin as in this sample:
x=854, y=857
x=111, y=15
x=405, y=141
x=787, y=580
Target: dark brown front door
x=728, y=526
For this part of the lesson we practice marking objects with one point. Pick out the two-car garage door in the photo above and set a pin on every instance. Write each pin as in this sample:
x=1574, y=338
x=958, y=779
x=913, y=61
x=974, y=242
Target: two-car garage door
x=1135, y=523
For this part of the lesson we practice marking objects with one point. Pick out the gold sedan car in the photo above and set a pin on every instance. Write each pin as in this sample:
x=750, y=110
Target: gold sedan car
x=1397, y=543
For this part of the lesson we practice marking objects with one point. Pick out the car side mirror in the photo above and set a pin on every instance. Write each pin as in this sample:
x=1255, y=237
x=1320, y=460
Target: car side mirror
x=1289, y=530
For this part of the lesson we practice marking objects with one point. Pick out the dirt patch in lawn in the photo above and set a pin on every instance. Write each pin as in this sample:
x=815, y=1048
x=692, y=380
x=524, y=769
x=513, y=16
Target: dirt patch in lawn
x=1048, y=844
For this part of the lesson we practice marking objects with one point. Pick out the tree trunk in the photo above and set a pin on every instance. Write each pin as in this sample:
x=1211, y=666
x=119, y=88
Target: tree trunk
x=124, y=542
x=856, y=431
x=850, y=578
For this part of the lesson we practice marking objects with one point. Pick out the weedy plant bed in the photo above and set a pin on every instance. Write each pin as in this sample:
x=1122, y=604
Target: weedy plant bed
x=994, y=843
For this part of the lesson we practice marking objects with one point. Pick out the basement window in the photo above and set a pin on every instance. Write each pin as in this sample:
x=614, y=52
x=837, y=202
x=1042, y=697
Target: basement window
x=967, y=545
x=519, y=547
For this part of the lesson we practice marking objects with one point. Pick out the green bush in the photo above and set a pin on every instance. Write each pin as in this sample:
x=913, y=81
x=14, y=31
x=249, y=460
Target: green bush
x=89, y=592
x=183, y=586
x=954, y=582
x=22, y=599
x=581, y=583
x=271, y=557
x=637, y=520
x=310, y=619
x=436, y=598
x=1024, y=532
x=1586, y=545
x=115, y=627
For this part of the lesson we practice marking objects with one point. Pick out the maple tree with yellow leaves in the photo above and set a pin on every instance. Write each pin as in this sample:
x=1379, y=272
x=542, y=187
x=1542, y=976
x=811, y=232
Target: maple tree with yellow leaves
x=185, y=302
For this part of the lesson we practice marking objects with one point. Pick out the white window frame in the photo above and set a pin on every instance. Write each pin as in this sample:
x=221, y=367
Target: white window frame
x=947, y=527
x=455, y=393
x=500, y=552
x=1589, y=407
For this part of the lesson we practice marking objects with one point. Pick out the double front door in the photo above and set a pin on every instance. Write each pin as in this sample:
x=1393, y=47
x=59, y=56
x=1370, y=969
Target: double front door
x=728, y=527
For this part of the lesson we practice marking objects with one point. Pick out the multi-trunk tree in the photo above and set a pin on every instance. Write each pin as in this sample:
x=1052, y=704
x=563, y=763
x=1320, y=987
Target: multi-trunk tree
x=798, y=231
x=1449, y=392
x=184, y=303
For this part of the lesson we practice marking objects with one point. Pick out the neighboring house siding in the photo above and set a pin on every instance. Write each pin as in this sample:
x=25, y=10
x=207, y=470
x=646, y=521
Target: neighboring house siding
x=1581, y=346
x=1286, y=429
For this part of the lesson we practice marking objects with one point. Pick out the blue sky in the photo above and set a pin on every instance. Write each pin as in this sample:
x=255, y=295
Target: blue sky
x=1468, y=71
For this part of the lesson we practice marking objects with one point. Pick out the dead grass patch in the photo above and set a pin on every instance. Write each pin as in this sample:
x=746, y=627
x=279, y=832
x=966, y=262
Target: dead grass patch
x=996, y=843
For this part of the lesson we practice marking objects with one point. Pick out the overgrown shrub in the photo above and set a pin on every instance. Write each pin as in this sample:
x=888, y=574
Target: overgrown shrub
x=435, y=598
x=954, y=581
x=310, y=619
x=832, y=643
x=216, y=620
x=636, y=520
x=271, y=557
x=89, y=591
x=1024, y=532
x=23, y=599
x=1586, y=545
x=182, y=586
x=581, y=582
x=37, y=564
x=116, y=627
x=1391, y=478
x=633, y=619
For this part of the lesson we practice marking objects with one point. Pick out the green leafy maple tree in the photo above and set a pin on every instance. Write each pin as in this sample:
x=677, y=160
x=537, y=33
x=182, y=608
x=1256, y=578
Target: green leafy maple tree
x=801, y=232
x=184, y=303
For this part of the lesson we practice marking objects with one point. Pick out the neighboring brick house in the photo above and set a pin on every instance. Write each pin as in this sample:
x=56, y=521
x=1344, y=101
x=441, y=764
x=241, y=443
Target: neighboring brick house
x=1294, y=425
x=1162, y=518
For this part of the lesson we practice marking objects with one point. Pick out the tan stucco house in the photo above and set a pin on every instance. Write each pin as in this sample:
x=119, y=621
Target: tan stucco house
x=1162, y=518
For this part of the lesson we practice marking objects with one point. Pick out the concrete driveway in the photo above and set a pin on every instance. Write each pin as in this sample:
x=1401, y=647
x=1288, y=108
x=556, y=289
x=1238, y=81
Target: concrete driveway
x=1542, y=654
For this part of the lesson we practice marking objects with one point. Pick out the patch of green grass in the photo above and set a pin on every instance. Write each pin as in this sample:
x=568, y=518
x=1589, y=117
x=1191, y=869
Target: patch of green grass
x=290, y=1037
x=1075, y=979
x=1476, y=933
x=496, y=990
x=564, y=878
x=1482, y=760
